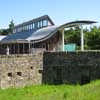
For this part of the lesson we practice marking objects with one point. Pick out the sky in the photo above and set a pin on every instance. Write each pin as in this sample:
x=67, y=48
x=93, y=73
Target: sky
x=60, y=11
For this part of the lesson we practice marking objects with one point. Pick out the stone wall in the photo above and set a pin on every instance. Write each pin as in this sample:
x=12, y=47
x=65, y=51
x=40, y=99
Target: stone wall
x=49, y=68
x=21, y=70
x=73, y=67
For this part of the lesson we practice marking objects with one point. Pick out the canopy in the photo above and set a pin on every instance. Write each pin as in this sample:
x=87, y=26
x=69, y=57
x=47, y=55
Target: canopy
x=41, y=34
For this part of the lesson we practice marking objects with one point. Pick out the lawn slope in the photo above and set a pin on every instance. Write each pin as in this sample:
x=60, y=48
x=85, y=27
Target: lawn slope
x=46, y=92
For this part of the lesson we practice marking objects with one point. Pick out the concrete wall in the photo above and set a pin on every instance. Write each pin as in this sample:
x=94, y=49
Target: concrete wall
x=76, y=67
x=21, y=70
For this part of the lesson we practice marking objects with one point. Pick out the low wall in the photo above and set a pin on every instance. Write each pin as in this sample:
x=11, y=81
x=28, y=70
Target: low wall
x=73, y=67
x=20, y=70
x=49, y=68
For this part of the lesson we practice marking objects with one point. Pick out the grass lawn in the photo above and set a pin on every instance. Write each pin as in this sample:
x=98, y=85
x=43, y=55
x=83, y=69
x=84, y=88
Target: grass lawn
x=46, y=92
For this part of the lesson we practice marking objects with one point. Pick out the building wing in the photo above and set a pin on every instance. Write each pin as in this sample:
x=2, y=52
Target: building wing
x=42, y=33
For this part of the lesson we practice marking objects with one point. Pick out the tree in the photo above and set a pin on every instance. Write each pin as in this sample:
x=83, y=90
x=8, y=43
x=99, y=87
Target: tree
x=73, y=36
x=11, y=27
x=8, y=30
x=4, y=31
x=91, y=37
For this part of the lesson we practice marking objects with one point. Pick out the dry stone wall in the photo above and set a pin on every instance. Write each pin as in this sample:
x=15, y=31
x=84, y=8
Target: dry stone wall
x=49, y=68
x=21, y=70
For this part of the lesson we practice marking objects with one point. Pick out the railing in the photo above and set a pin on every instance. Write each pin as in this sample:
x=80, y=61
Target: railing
x=88, y=51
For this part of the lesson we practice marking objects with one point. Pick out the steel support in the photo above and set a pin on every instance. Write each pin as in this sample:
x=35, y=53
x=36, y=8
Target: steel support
x=82, y=38
x=63, y=40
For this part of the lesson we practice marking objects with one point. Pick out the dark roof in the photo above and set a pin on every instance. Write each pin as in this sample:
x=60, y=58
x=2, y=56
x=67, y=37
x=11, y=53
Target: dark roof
x=41, y=34
x=75, y=23
x=28, y=36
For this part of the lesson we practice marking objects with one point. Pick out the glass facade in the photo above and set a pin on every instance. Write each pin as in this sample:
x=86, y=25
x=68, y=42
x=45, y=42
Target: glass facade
x=34, y=25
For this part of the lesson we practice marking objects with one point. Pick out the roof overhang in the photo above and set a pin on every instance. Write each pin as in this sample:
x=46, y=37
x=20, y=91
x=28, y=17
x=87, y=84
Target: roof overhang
x=49, y=32
x=66, y=25
x=76, y=23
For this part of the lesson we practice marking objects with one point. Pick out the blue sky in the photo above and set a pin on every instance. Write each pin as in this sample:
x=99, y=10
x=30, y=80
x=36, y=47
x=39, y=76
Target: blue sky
x=61, y=11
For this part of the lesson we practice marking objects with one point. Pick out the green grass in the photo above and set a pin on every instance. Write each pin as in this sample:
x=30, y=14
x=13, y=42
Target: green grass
x=46, y=92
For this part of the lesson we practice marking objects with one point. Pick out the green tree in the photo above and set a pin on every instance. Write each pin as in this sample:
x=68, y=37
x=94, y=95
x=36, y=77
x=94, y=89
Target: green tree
x=73, y=36
x=8, y=30
x=11, y=27
x=4, y=31
x=93, y=38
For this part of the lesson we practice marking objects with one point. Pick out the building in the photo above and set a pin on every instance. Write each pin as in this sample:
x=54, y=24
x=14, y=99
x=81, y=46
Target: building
x=39, y=33
x=48, y=67
x=2, y=51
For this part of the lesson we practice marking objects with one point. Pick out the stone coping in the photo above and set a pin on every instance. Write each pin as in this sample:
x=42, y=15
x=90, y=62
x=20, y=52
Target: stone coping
x=18, y=55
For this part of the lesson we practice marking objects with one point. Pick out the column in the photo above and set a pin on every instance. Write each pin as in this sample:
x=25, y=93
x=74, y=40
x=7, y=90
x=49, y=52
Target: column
x=63, y=40
x=82, y=38
x=14, y=48
x=7, y=50
x=18, y=48
x=29, y=47
x=23, y=48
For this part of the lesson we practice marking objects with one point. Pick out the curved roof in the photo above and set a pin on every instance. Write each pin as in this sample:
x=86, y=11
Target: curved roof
x=41, y=34
x=2, y=37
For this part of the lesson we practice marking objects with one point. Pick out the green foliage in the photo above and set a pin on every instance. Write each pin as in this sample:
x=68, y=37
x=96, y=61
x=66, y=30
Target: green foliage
x=11, y=27
x=73, y=36
x=4, y=32
x=46, y=92
x=9, y=30
x=92, y=37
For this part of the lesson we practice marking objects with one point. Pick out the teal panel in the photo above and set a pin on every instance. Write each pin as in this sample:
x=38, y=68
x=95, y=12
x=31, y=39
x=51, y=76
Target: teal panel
x=70, y=47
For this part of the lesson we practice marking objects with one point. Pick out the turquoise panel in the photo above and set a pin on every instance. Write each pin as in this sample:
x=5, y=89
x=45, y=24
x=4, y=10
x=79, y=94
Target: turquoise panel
x=70, y=47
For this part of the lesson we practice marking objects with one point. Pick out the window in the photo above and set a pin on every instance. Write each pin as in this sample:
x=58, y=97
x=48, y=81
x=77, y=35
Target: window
x=27, y=27
x=43, y=46
x=30, y=26
x=38, y=25
x=19, y=73
x=17, y=29
x=40, y=71
x=31, y=67
x=23, y=28
x=41, y=23
x=14, y=31
x=45, y=23
x=33, y=26
x=9, y=74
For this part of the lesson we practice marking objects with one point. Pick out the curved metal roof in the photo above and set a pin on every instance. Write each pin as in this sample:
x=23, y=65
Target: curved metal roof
x=41, y=34
x=2, y=37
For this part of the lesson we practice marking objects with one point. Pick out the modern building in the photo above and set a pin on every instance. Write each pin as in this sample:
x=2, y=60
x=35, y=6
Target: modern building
x=39, y=33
